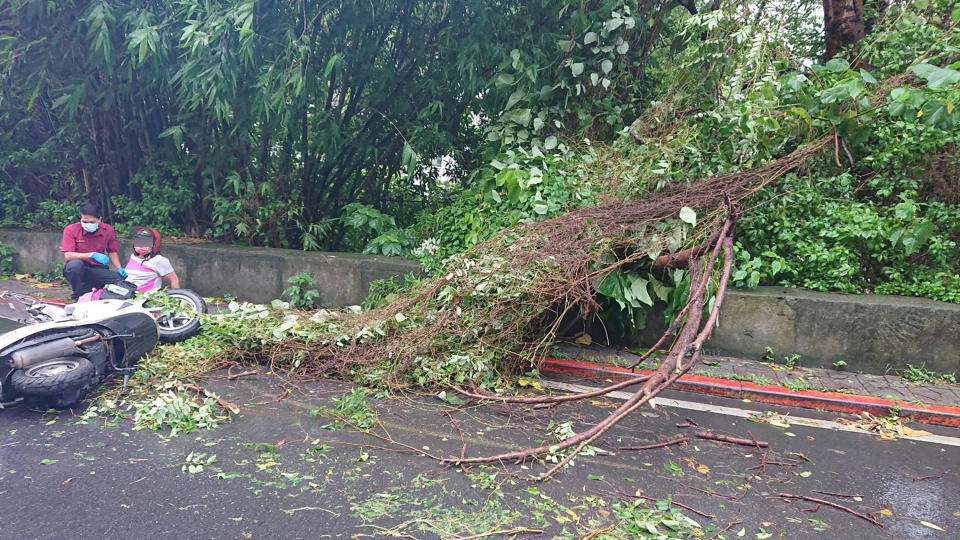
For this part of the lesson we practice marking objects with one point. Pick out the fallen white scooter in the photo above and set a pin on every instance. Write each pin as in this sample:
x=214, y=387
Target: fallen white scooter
x=58, y=353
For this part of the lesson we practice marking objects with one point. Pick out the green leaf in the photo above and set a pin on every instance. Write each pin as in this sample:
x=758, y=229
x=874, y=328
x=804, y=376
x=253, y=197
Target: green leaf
x=612, y=24
x=955, y=14
x=660, y=290
x=606, y=66
x=550, y=142
x=937, y=78
x=576, y=68
x=504, y=79
x=566, y=45
x=896, y=108
x=802, y=113
x=638, y=289
x=333, y=62
x=688, y=215
x=515, y=97
x=795, y=82
x=589, y=38
x=834, y=94
x=934, y=112
x=540, y=208
x=837, y=65
x=451, y=398
x=177, y=133
x=48, y=461
x=867, y=77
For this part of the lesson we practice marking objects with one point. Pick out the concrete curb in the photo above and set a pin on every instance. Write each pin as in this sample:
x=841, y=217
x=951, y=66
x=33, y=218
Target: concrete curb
x=941, y=415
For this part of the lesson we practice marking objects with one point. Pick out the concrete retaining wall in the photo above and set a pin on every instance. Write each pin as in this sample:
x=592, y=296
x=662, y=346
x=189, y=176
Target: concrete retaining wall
x=870, y=333
x=255, y=274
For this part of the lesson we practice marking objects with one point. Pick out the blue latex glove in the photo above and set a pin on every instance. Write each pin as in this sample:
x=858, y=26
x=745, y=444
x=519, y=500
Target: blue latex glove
x=122, y=272
x=100, y=258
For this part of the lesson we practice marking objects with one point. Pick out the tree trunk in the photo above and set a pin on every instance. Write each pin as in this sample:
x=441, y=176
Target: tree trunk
x=843, y=24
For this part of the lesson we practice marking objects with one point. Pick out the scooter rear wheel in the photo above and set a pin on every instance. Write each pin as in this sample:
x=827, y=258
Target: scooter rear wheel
x=67, y=376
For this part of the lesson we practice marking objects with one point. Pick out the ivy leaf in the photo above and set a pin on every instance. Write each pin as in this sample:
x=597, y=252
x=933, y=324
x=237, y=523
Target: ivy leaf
x=589, y=38
x=550, y=142
x=606, y=66
x=688, y=215
x=576, y=68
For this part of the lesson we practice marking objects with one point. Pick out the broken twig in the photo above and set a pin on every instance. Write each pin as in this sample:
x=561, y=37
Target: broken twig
x=732, y=440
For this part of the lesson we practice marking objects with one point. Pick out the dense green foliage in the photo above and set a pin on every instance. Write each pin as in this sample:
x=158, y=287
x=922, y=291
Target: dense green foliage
x=260, y=121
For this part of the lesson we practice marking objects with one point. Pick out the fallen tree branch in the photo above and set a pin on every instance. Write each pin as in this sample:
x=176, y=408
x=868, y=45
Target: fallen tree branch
x=676, y=440
x=463, y=442
x=847, y=495
x=235, y=409
x=669, y=371
x=725, y=529
x=680, y=504
x=730, y=439
x=838, y=506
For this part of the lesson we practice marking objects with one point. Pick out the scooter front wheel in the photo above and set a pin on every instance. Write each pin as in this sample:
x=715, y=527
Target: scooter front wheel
x=65, y=379
x=184, y=321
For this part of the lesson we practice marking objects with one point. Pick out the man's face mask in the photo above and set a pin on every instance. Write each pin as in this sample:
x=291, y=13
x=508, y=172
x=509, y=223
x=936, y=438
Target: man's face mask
x=141, y=250
x=90, y=227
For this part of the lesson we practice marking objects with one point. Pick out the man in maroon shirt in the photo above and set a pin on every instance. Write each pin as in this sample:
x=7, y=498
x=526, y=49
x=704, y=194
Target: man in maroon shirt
x=89, y=250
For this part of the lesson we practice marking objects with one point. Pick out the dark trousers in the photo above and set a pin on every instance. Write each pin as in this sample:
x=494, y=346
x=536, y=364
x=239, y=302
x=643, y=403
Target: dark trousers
x=83, y=277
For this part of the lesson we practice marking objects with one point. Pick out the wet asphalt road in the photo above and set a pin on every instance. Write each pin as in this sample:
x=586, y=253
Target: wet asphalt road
x=281, y=472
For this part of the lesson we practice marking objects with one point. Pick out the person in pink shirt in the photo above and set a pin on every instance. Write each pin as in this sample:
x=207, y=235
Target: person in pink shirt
x=147, y=269
x=90, y=249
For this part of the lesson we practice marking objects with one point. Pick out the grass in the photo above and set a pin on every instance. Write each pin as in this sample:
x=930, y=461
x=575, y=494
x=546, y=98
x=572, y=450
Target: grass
x=921, y=375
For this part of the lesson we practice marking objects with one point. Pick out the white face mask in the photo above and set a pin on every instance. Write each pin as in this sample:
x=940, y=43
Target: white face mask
x=90, y=227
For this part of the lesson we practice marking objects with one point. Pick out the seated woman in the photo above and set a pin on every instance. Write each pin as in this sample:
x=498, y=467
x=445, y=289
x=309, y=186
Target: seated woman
x=146, y=270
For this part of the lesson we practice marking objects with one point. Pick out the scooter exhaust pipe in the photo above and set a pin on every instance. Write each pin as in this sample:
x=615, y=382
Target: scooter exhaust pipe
x=45, y=351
